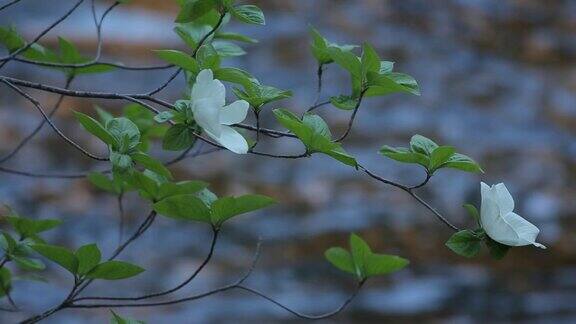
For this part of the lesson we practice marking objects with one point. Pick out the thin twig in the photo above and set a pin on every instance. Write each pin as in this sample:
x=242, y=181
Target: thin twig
x=39, y=127
x=13, y=2
x=352, y=118
x=38, y=106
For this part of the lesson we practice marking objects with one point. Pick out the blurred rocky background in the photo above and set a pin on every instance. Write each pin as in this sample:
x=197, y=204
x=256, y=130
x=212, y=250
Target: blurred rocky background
x=498, y=81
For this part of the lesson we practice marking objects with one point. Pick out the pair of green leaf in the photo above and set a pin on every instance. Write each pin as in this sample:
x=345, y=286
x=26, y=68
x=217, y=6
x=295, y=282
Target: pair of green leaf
x=258, y=95
x=428, y=154
x=370, y=75
x=85, y=262
x=320, y=47
x=30, y=228
x=68, y=53
x=468, y=243
x=154, y=188
x=19, y=252
x=362, y=262
x=313, y=131
x=28, y=231
x=114, y=185
x=207, y=208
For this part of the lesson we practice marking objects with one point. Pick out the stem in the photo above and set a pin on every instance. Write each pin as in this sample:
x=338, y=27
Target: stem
x=169, y=291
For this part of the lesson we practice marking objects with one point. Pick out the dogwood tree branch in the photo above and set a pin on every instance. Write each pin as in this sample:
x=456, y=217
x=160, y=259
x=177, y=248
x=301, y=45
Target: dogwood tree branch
x=13, y=2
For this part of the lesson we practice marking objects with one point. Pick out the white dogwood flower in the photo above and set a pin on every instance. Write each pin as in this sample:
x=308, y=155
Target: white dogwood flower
x=208, y=103
x=500, y=222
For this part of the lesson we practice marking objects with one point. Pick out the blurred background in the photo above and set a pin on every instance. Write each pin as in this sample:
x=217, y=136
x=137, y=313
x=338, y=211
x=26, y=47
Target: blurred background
x=498, y=81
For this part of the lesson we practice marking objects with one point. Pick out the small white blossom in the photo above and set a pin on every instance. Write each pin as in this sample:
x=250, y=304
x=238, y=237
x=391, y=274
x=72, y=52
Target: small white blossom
x=208, y=103
x=500, y=222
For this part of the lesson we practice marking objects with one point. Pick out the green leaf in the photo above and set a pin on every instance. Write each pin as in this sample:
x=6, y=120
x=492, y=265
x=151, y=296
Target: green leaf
x=88, y=257
x=228, y=207
x=360, y=252
x=347, y=60
x=471, y=209
x=341, y=259
x=147, y=186
x=62, y=256
x=320, y=47
x=103, y=115
x=439, y=156
x=10, y=38
x=29, y=263
x=293, y=124
x=344, y=102
x=386, y=67
x=5, y=281
x=370, y=59
x=497, y=250
x=380, y=84
x=249, y=14
x=236, y=37
x=151, y=164
x=207, y=57
x=114, y=270
x=27, y=227
x=206, y=196
x=164, y=116
x=317, y=124
x=195, y=9
x=464, y=163
x=125, y=133
x=9, y=243
x=423, y=145
x=102, y=182
x=227, y=49
x=179, y=137
x=180, y=188
x=184, y=207
x=234, y=75
x=465, y=243
x=381, y=264
x=95, y=128
x=258, y=95
x=120, y=161
x=402, y=154
x=180, y=59
x=314, y=133
x=117, y=319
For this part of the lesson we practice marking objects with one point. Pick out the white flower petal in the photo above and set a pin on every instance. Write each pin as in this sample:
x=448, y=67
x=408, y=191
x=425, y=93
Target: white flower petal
x=500, y=223
x=525, y=230
x=232, y=140
x=494, y=225
x=503, y=198
x=207, y=87
x=207, y=115
x=234, y=113
x=484, y=190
